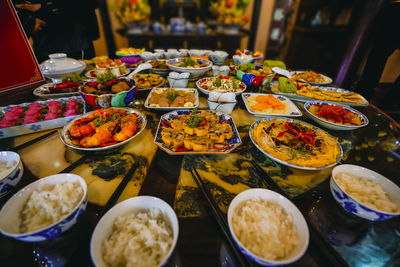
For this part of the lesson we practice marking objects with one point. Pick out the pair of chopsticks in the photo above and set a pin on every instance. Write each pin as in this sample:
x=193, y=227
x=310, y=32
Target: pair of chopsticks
x=220, y=218
x=31, y=142
x=315, y=237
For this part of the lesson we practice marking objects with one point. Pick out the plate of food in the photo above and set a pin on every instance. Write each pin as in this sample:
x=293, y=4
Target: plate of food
x=108, y=91
x=38, y=116
x=221, y=84
x=304, y=92
x=195, y=66
x=295, y=143
x=262, y=105
x=69, y=86
x=113, y=66
x=196, y=132
x=159, y=66
x=129, y=52
x=103, y=129
x=311, y=77
x=334, y=116
x=148, y=81
x=254, y=75
x=172, y=98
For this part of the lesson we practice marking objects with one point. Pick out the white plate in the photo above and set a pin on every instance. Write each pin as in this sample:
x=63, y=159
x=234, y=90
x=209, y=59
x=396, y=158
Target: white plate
x=67, y=140
x=294, y=110
x=87, y=73
x=302, y=98
x=40, y=92
x=196, y=104
x=327, y=79
x=206, y=92
x=37, y=126
x=151, y=88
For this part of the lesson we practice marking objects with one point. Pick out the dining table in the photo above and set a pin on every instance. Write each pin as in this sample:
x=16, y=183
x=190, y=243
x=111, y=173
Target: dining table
x=196, y=185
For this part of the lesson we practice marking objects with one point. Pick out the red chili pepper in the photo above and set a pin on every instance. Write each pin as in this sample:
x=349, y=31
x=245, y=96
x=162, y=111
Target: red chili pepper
x=166, y=124
x=225, y=121
x=202, y=123
x=203, y=81
x=93, y=83
x=281, y=134
x=181, y=149
x=110, y=82
x=288, y=126
x=221, y=146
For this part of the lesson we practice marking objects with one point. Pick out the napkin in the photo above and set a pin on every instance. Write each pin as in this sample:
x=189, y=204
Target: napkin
x=222, y=97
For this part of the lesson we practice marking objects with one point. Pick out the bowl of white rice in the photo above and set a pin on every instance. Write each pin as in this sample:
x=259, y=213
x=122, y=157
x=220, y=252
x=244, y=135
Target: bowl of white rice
x=365, y=193
x=44, y=208
x=267, y=227
x=140, y=231
x=11, y=170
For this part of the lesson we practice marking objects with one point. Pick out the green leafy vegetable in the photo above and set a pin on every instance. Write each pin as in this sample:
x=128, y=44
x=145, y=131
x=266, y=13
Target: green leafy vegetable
x=73, y=77
x=194, y=119
x=172, y=95
x=100, y=121
x=105, y=77
x=187, y=61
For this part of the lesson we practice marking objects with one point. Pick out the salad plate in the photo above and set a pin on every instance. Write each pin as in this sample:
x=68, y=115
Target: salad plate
x=228, y=146
x=233, y=85
x=292, y=109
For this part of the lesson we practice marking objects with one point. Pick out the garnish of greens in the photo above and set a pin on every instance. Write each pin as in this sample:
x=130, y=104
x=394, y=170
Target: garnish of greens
x=103, y=119
x=105, y=77
x=217, y=82
x=187, y=61
x=73, y=77
x=171, y=95
x=247, y=67
x=194, y=119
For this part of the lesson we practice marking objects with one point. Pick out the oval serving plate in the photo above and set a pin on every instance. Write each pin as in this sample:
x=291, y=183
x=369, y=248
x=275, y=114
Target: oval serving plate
x=206, y=92
x=41, y=92
x=196, y=104
x=293, y=112
x=335, y=126
x=327, y=79
x=287, y=163
x=234, y=142
x=67, y=140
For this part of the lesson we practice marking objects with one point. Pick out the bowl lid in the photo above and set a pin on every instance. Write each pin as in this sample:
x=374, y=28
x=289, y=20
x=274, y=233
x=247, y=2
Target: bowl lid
x=60, y=63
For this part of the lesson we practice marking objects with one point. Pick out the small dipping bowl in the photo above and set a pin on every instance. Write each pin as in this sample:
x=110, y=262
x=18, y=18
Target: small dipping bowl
x=355, y=207
x=10, y=218
x=12, y=173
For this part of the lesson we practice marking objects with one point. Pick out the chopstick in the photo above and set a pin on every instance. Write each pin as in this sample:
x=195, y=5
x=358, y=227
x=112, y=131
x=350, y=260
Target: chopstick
x=220, y=218
x=315, y=237
x=75, y=164
x=31, y=142
x=117, y=193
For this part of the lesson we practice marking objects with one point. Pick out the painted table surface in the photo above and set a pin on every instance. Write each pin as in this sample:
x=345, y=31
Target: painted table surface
x=357, y=241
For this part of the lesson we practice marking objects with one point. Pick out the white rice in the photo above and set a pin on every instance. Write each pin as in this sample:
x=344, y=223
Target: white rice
x=265, y=229
x=46, y=206
x=138, y=239
x=365, y=191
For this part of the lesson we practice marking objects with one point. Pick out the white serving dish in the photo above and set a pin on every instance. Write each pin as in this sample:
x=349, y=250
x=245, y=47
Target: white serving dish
x=355, y=207
x=68, y=140
x=196, y=104
x=206, y=92
x=335, y=126
x=10, y=219
x=11, y=178
x=195, y=72
x=37, y=126
x=293, y=112
x=289, y=207
x=104, y=227
x=328, y=80
x=59, y=65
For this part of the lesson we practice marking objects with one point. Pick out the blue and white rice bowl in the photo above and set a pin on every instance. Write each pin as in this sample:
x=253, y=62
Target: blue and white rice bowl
x=290, y=209
x=10, y=214
x=10, y=178
x=335, y=126
x=355, y=207
x=104, y=227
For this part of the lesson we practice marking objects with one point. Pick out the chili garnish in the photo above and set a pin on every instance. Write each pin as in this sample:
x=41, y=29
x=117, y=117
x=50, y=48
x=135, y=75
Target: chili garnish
x=166, y=124
x=181, y=149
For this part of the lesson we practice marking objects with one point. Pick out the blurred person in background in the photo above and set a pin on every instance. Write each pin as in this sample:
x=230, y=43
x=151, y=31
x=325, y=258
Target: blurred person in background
x=60, y=26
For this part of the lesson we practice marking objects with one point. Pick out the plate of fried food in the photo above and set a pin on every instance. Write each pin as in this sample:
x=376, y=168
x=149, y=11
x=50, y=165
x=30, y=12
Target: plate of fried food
x=311, y=77
x=69, y=86
x=172, y=98
x=196, y=132
x=334, y=116
x=148, y=81
x=304, y=92
x=262, y=105
x=103, y=129
x=295, y=143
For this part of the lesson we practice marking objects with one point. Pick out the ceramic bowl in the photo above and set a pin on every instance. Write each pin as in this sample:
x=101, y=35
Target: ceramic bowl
x=225, y=107
x=147, y=56
x=331, y=125
x=196, y=53
x=218, y=57
x=178, y=82
x=59, y=66
x=195, y=72
x=220, y=70
x=242, y=59
x=10, y=178
x=289, y=207
x=121, y=99
x=10, y=218
x=355, y=207
x=104, y=228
